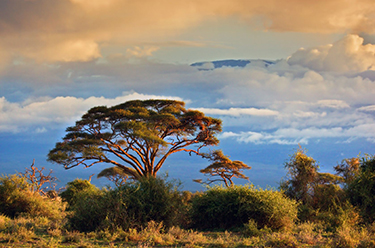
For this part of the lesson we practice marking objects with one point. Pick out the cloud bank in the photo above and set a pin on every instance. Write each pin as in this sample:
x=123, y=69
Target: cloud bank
x=79, y=30
x=291, y=101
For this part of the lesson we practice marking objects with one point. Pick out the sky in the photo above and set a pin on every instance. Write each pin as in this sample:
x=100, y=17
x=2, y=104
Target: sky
x=60, y=58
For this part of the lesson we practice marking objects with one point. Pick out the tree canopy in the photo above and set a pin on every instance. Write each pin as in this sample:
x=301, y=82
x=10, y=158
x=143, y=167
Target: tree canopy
x=302, y=175
x=136, y=136
x=361, y=188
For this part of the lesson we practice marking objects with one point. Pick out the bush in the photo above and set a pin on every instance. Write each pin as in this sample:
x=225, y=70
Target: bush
x=229, y=208
x=74, y=188
x=16, y=198
x=130, y=206
x=337, y=217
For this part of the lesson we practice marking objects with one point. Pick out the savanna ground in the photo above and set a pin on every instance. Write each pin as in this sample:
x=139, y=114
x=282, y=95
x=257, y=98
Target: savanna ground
x=41, y=232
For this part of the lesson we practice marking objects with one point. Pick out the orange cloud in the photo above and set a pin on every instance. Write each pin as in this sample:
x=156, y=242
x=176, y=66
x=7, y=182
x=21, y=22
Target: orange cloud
x=141, y=52
x=73, y=30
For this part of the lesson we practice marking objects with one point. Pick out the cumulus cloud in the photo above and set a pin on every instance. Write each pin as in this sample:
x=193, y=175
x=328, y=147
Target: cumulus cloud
x=281, y=103
x=346, y=55
x=43, y=114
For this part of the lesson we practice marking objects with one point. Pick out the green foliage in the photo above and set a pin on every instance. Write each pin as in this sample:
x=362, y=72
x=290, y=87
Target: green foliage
x=320, y=194
x=17, y=198
x=137, y=136
x=337, y=217
x=348, y=169
x=74, y=188
x=251, y=228
x=130, y=206
x=114, y=174
x=302, y=174
x=361, y=189
x=328, y=197
x=227, y=208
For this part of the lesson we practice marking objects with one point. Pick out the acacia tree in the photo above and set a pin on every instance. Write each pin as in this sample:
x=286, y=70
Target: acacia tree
x=224, y=168
x=136, y=136
x=302, y=176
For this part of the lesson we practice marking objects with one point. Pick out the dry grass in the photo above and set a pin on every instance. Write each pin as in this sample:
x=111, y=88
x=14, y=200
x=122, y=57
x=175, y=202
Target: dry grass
x=42, y=232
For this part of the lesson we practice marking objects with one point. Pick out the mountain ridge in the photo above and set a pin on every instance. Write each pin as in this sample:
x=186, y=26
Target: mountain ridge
x=210, y=65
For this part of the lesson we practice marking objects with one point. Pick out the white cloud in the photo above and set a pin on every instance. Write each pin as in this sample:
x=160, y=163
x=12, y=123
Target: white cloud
x=206, y=66
x=239, y=111
x=308, y=114
x=43, y=114
x=293, y=136
x=335, y=104
x=263, y=138
x=369, y=108
x=346, y=55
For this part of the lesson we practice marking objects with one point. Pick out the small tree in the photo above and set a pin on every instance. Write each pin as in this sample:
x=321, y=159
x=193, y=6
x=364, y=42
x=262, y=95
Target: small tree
x=136, y=136
x=37, y=179
x=302, y=175
x=224, y=168
x=321, y=196
x=361, y=189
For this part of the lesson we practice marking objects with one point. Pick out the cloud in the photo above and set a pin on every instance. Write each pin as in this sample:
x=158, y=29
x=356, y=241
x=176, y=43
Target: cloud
x=44, y=114
x=141, y=52
x=346, y=55
x=294, y=136
x=282, y=103
x=78, y=30
x=94, y=4
x=335, y=104
x=66, y=51
x=369, y=108
x=239, y=111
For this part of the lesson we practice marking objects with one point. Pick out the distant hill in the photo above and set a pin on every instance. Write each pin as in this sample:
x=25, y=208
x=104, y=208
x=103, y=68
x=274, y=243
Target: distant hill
x=210, y=65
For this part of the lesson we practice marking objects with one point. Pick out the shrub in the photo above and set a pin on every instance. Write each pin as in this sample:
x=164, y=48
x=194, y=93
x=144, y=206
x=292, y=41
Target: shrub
x=338, y=216
x=251, y=228
x=74, y=188
x=16, y=198
x=228, y=208
x=130, y=206
x=4, y=220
